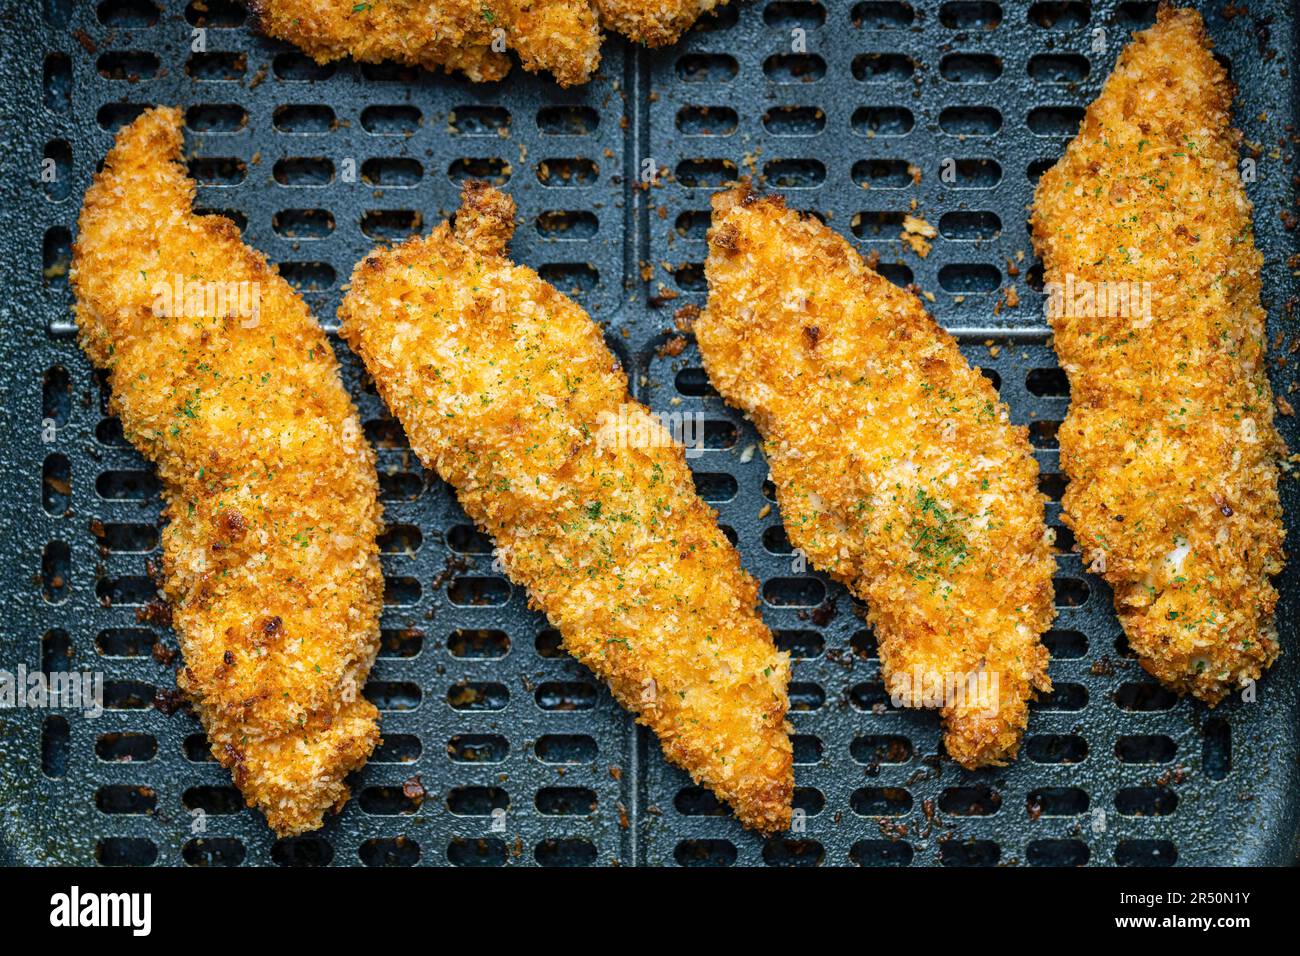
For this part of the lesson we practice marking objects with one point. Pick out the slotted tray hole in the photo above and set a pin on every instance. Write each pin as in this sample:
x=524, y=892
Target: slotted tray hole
x=882, y=15
x=215, y=14
x=302, y=851
x=568, y=851
x=126, y=851
x=969, y=15
x=1057, y=853
x=705, y=853
x=126, y=747
x=398, y=851
x=476, y=851
x=963, y=853
x=1146, y=853
x=564, y=749
x=303, y=118
x=213, y=851
x=881, y=853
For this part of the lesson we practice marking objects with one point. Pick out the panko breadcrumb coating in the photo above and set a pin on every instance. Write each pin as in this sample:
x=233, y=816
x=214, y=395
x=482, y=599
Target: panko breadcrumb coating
x=507, y=389
x=413, y=32
x=561, y=37
x=896, y=467
x=1169, y=443
x=653, y=22
x=269, y=556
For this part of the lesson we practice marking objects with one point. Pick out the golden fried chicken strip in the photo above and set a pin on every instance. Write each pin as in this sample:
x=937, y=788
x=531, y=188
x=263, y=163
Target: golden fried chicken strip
x=653, y=22
x=561, y=37
x=223, y=379
x=508, y=390
x=895, y=466
x=1154, y=297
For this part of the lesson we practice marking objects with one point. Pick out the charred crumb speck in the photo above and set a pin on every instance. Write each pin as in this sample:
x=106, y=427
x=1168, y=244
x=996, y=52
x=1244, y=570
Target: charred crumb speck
x=163, y=654
x=158, y=613
x=892, y=830
x=933, y=770
x=451, y=567
x=233, y=524
x=672, y=347
x=168, y=702
x=825, y=613
x=1174, y=776
x=1102, y=667
x=684, y=318
x=413, y=790
x=724, y=238
x=843, y=657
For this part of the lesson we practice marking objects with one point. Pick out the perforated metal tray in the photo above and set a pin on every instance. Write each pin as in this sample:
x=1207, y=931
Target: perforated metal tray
x=850, y=110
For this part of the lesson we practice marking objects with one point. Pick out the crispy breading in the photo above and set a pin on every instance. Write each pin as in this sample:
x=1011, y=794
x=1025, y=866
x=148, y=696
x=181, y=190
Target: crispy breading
x=561, y=37
x=508, y=390
x=653, y=22
x=896, y=467
x=1169, y=443
x=269, y=557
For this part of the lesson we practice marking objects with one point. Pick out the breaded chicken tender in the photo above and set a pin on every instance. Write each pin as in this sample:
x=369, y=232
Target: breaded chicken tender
x=653, y=22
x=561, y=37
x=1154, y=297
x=895, y=465
x=223, y=379
x=507, y=389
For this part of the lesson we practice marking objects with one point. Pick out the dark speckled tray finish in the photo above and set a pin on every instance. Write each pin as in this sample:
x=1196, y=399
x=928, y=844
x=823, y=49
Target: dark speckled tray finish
x=478, y=703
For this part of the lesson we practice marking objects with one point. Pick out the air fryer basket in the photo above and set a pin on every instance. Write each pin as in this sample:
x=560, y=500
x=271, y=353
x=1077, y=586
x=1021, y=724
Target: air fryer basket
x=499, y=749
